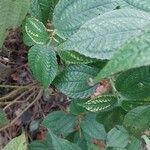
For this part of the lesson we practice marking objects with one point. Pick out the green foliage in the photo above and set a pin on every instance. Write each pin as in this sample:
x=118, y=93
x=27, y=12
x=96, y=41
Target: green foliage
x=144, y=4
x=59, y=144
x=74, y=81
x=92, y=128
x=134, y=83
x=42, y=9
x=137, y=120
x=44, y=67
x=60, y=123
x=117, y=137
x=135, y=53
x=72, y=57
x=100, y=37
x=18, y=143
x=85, y=42
x=36, y=31
x=70, y=15
x=102, y=103
x=11, y=15
x=3, y=119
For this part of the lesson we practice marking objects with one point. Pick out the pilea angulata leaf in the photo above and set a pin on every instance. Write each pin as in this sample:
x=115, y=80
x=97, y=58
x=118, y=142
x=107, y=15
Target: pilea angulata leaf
x=74, y=81
x=103, y=35
x=134, y=83
x=43, y=63
x=36, y=31
x=140, y=4
x=69, y=15
x=100, y=104
x=135, y=53
x=137, y=120
x=72, y=57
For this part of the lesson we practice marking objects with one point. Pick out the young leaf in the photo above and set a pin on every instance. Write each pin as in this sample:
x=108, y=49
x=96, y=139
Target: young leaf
x=134, y=83
x=72, y=57
x=11, y=15
x=70, y=15
x=101, y=103
x=103, y=35
x=18, y=143
x=36, y=31
x=144, y=4
x=117, y=138
x=62, y=144
x=43, y=63
x=137, y=120
x=135, y=53
x=91, y=127
x=74, y=81
x=60, y=123
x=3, y=119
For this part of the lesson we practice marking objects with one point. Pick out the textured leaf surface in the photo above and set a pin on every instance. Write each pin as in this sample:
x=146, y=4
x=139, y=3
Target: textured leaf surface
x=74, y=81
x=18, y=143
x=131, y=104
x=11, y=15
x=39, y=145
x=62, y=144
x=135, y=53
x=41, y=9
x=43, y=63
x=102, y=36
x=36, y=31
x=72, y=57
x=70, y=15
x=138, y=120
x=92, y=128
x=102, y=103
x=134, y=83
x=117, y=138
x=141, y=4
x=3, y=119
x=60, y=123
x=111, y=118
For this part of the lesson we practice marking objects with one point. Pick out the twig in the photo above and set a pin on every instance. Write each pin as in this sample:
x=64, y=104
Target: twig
x=13, y=121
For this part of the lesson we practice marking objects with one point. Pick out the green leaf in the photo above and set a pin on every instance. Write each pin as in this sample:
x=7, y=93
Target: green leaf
x=18, y=143
x=135, y=144
x=74, y=81
x=3, y=119
x=101, y=103
x=92, y=128
x=137, y=120
x=62, y=144
x=60, y=123
x=118, y=138
x=36, y=31
x=41, y=9
x=43, y=63
x=134, y=83
x=147, y=141
x=144, y=4
x=12, y=12
x=135, y=53
x=103, y=35
x=75, y=108
x=72, y=57
x=70, y=15
x=131, y=104
x=39, y=145
x=111, y=118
